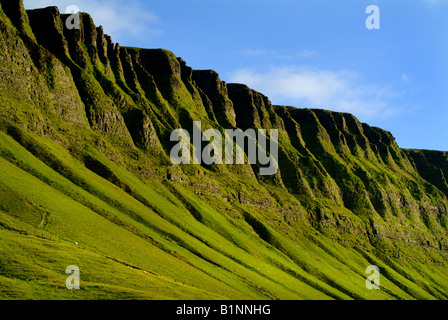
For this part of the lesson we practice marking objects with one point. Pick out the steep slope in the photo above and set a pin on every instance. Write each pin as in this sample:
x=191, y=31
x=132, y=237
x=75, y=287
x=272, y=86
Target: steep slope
x=86, y=179
x=433, y=166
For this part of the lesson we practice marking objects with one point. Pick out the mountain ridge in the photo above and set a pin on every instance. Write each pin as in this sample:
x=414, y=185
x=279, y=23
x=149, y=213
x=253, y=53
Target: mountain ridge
x=90, y=121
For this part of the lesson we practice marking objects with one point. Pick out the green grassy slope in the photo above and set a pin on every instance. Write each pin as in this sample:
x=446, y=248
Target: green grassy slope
x=86, y=180
x=46, y=210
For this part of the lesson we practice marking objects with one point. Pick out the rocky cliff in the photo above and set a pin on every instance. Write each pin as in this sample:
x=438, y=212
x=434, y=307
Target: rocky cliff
x=91, y=121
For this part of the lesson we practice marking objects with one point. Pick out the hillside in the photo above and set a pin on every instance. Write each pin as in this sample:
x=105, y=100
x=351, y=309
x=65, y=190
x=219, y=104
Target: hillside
x=86, y=179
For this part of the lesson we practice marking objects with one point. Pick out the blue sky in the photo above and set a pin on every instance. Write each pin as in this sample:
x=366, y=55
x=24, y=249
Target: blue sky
x=306, y=53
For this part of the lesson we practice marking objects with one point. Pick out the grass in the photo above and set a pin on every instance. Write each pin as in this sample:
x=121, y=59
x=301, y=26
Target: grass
x=278, y=269
x=78, y=186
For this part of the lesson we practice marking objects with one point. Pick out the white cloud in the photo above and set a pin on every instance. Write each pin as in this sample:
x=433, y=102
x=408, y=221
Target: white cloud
x=120, y=19
x=250, y=53
x=404, y=77
x=334, y=90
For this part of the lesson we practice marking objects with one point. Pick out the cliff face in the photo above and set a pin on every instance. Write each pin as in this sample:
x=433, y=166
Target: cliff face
x=431, y=165
x=343, y=189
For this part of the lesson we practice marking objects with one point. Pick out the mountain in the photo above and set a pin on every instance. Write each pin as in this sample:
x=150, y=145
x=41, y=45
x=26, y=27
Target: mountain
x=86, y=179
